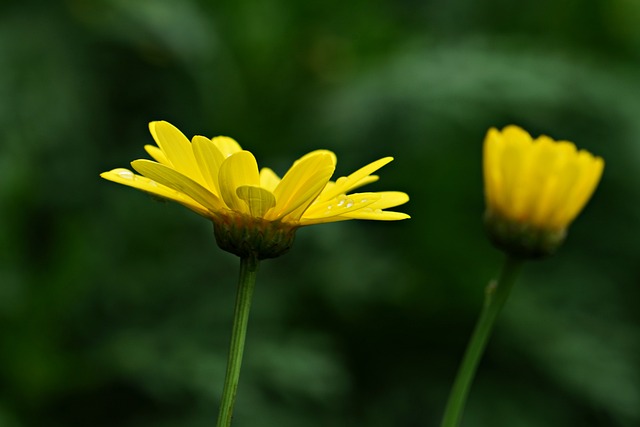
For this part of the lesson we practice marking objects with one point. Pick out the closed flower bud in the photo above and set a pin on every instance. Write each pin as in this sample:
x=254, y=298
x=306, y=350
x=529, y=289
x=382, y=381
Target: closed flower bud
x=534, y=189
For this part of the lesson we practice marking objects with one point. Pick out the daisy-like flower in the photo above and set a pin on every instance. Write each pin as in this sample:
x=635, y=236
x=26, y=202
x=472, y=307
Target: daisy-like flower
x=534, y=189
x=254, y=211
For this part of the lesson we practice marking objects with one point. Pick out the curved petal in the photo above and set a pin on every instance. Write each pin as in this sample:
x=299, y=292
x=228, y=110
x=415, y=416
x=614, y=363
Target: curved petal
x=258, y=199
x=173, y=179
x=126, y=177
x=209, y=158
x=341, y=205
x=269, y=179
x=534, y=179
x=557, y=175
x=365, y=181
x=366, y=214
x=314, y=153
x=302, y=184
x=377, y=215
x=226, y=145
x=390, y=199
x=357, y=206
x=581, y=183
x=157, y=154
x=345, y=184
x=514, y=158
x=239, y=169
x=493, y=182
x=177, y=149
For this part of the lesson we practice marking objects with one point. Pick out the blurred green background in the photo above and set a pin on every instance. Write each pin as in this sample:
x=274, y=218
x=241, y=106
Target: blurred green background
x=115, y=309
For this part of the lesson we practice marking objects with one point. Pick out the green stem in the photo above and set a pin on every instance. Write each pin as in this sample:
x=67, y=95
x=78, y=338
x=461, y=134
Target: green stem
x=246, y=282
x=496, y=295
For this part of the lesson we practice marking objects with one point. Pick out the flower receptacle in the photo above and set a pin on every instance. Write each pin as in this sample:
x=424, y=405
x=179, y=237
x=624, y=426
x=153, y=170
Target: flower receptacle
x=522, y=239
x=247, y=236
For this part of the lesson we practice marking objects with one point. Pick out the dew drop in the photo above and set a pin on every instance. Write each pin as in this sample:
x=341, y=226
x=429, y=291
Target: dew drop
x=349, y=204
x=341, y=202
x=125, y=174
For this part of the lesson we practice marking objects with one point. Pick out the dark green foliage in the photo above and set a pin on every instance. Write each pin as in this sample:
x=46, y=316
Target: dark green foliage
x=115, y=310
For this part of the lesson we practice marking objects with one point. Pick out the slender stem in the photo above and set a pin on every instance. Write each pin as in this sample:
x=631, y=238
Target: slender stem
x=246, y=282
x=496, y=294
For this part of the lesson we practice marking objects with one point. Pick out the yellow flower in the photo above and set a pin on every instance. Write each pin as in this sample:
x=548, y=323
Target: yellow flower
x=534, y=189
x=254, y=211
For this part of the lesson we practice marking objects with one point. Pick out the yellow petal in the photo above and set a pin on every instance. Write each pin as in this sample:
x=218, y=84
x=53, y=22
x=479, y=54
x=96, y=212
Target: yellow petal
x=377, y=215
x=493, y=146
x=365, y=181
x=302, y=184
x=157, y=154
x=314, y=153
x=258, y=199
x=588, y=173
x=269, y=179
x=364, y=206
x=513, y=159
x=209, y=158
x=226, y=145
x=536, y=180
x=557, y=175
x=239, y=169
x=173, y=179
x=341, y=205
x=516, y=135
x=366, y=214
x=176, y=148
x=126, y=177
x=345, y=184
x=390, y=199
x=587, y=186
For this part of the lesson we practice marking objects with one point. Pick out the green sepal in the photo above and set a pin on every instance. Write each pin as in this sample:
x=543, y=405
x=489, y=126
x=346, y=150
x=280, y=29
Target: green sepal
x=520, y=239
x=247, y=236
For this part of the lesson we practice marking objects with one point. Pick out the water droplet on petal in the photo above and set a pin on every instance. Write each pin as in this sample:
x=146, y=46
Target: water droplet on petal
x=125, y=174
x=341, y=202
x=349, y=204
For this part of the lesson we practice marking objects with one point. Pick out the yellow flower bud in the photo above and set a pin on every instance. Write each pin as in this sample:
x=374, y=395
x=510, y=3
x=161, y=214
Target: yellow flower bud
x=534, y=189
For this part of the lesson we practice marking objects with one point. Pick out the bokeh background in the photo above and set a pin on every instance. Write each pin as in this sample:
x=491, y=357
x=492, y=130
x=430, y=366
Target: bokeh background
x=115, y=309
